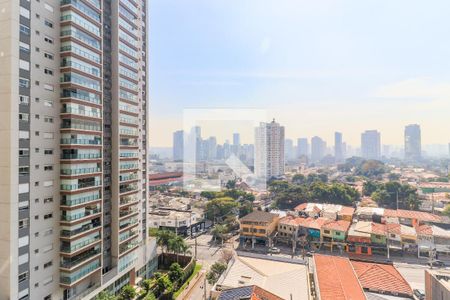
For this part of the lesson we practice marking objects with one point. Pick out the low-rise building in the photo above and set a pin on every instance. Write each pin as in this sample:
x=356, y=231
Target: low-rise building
x=258, y=227
x=437, y=284
x=334, y=233
x=329, y=211
x=430, y=238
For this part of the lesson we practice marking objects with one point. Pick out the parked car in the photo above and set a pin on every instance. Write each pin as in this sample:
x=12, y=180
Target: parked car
x=274, y=250
x=437, y=263
x=310, y=253
x=419, y=294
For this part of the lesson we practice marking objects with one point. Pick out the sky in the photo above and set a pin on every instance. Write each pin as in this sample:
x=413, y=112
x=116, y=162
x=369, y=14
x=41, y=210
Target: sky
x=315, y=66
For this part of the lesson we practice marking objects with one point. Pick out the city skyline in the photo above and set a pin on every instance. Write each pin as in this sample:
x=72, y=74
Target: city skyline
x=355, y=68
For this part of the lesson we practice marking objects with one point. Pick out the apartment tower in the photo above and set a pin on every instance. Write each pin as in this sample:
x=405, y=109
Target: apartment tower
x=269, y=150
x=73, y=83
x=413, y=142
x=371, y=144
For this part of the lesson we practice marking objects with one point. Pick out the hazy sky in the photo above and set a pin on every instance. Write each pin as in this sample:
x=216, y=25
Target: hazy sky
x=315, y=66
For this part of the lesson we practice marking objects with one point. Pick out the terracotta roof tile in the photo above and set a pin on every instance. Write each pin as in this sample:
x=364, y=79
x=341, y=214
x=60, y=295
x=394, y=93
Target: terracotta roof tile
x=412, y=214
x=340, y=225
x=347, y=210
x=381, y=278
x=301, y=207
x=337, y=279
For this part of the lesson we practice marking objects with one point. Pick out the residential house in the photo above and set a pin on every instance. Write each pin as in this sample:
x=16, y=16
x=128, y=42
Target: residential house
x=258, y=227
x=359, y=238
x=430, y=237
x=329, y=211
x=288, y=228
x=334, y=232
x=411, y=217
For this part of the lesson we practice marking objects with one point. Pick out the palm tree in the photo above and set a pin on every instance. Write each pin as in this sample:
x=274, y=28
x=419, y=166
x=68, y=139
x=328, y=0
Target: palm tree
x=162, y=239
x=177, y=244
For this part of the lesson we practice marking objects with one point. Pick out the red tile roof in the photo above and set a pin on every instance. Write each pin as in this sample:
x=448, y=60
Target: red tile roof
x=412, y=214
x=347, y=211
x=425, y=229
x=379, y=229
x=301, y=207
x=336, y=279
x=291, y=220
x=314, y=223
x=340, y=225
x=381, y=278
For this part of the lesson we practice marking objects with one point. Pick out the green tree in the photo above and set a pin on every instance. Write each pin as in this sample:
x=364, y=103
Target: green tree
x=219, y=232
x=393, y=176
x=103, y=295
x=245, y=208
x=381, y=197
x=214, y=273
x=446, y=211
x=146, y=285
x=177, y=245
x=127, y=293
x=163, y=237
x=299, y=179
x=175, y=272
x=163, y=284
x=219, y=208
x=231, y=184
x=369, y=187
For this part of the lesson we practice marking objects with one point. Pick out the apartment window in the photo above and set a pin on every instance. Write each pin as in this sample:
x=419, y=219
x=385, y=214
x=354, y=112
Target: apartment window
x=36, y=100
x=48, y=135
x=48, y=264
x=48, y=183
x=24, y=134
x=48, y=119
x=36, y=234
x=23, y=223
x=48, y=7
x=49, y=87
x=24, y=65
x=36, y=133
x=24, y=29
x=48, y=216
x=24, y=99
x=23, y=277
x=48, y=55
x=36, y=183
x=24, y=117
x=24, y=188
x=36, y=150
x=24, y=47
x=24, y=170
x=37, y=82
x=36, y=268
x=24, y=12
x=48, y=200
x=23, y=241
x=48, y=151
x=48, y=71
x=23, y=259
x=23, y=205
x=48, y=23
x=48, y=103
x=24, y=152
x=48, y=168
x=24, y=83
x=326, y=231
x=48, y=40
x=37, y=49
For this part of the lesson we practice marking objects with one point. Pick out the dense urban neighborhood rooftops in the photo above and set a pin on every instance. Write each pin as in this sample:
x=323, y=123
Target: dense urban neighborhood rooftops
x=259, y=216
x=251, y=292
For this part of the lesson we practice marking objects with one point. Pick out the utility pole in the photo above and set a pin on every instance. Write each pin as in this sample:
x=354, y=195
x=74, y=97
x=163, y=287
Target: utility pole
x=195, y=249
x=204, y=287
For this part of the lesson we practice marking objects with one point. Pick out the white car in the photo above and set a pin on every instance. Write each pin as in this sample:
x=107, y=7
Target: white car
x=274, y=250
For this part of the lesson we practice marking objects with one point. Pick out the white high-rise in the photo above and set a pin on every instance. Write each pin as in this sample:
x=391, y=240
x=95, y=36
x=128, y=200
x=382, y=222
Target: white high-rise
x=269, y=150
x=371, y=144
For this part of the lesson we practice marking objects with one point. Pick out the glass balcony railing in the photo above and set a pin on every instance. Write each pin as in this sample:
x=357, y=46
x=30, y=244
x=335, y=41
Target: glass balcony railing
x=77, y=216
x=84, y=228
x=72, y=16
x=81, y=95
x=69, y=278
x=78, y=186
x=69, y=263
x=128, y=199
x=80, y=171
x=81, y=156
x=83, y=37
x=128, y=188
x=81, y=112
x=69, y=63
x=83, y=8
x=127, y=223
x=67, y=247
x=128, y=246
x=129, y=166
x=66, y=141
x=127, y=212
x=80, y=200
x=127, y=234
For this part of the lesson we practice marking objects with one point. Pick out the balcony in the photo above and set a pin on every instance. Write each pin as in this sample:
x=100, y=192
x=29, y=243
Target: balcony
x=80, y=186
x=124, y=200
x=81, y=112
x=128, y=188
x=125, y=247
x=95, y=141
x=83, y=229
x=94, y=71
x=128, y=177
x=67, y=247
x=127, y=235
x=71, y=278
x=128, y=211
x=75, y=261
x=81, y=95
x=127, y=223
x=79, y=200
x=83, y=8
x=80, y=171
x=74, y=217
x=129, y=166
x=83, y=156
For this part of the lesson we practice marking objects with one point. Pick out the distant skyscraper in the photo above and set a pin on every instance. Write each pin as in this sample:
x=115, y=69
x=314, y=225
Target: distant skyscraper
x=302, y=147
x=413, y=142
x=288, y=149
x=371, y=144
x=338, y=147
x=178, y=144
x=269, y=150
x=212, y=148
x=318, y=148
x=236, y=139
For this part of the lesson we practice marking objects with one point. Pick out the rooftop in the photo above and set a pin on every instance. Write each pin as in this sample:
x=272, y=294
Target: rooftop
x=336, y=279
x=259, y=216
x=340, y=225
x=252, y=292
x=412, y=214
x=381, y=278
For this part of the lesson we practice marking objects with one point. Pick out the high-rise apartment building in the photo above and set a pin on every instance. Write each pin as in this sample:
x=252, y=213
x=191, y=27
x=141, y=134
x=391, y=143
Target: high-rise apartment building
x=178, y=145
x=318, y=149
x=413, y=142
x=338, y=147
x=371, y=144
x=288, y=149
x=236, y=139
x=73, y=83
x=302, y=147
x=269, y=150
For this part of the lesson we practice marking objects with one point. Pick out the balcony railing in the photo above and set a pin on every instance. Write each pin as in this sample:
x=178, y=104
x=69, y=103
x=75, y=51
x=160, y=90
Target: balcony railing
x=82, y=272
x=128, y=199
x=124, y=213
x=81, y=156
x=74, y=217
x=68, y=248
x=127, y=223
x=81, y=95
x=80, y=200
x=69, y=263
x=128, y=234
x=126, y=177
x=128, y=246
x=77, y=111
x=66, y=141
x=80, y=171
x=78, y=186
x=128, y=188
x=71, y=233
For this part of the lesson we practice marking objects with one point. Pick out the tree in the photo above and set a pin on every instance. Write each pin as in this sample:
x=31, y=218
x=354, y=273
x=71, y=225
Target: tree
x=369, y=187
x=446, y=211
x=299, y=179
x=219, y=232
x=245, y=208
x=393, y=176
x=177, y=245
x=163, y=237
x=147, y=285
x=231, y=184
x=219, y=208
x=163, y=283
x=127, y=293
x=175, y=272
x=381, y=197
x=214, y=273
x=103, y=295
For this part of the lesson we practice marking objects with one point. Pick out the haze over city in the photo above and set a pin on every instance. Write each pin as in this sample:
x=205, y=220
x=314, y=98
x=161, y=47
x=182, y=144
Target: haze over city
x=317, y=68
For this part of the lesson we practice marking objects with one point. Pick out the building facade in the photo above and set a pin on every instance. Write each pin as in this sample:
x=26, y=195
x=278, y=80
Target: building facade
x=302, y=147
x=338, y=147
x=178, y=144
x=318, y=148
x=269, y=150
x=413, y=142
x=74, y=82
x=371, y=144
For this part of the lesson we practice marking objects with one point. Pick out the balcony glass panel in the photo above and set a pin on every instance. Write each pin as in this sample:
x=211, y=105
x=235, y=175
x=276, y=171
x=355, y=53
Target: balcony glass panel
x=69, y=278
x=80, y=35
x=69, y=15
x=83, y=8
x=81, y=95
